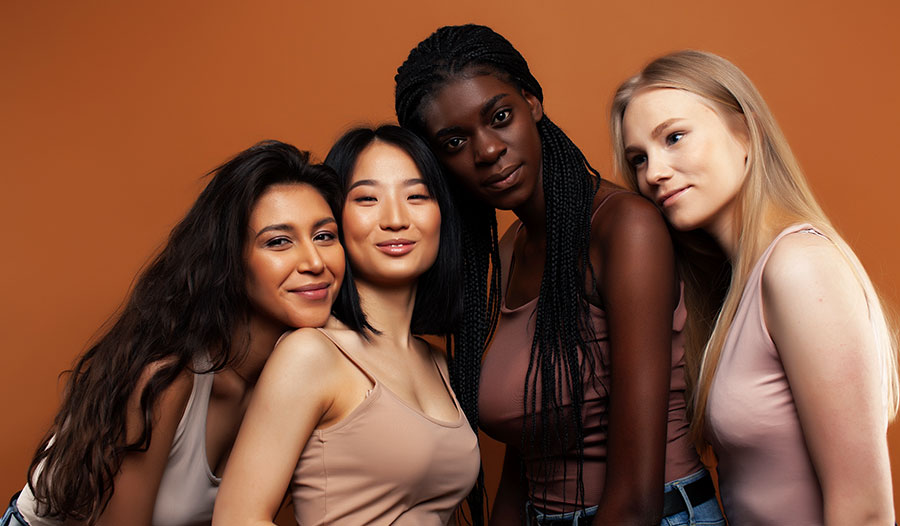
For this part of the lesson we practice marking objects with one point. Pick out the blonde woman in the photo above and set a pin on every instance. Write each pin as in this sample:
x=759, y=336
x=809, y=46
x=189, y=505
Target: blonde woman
x=794, y=364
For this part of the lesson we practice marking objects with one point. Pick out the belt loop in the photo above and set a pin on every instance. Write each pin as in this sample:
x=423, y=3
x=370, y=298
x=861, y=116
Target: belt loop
x=687, y=503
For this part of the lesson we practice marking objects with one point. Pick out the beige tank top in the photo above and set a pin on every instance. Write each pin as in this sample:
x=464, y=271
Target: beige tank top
x=385, y=463
x=188, y=487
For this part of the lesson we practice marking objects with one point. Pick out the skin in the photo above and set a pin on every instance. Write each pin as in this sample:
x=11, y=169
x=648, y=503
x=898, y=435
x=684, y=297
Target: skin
x=308, y=383
x=814, y=306
x=481, y=127
x=291, y=242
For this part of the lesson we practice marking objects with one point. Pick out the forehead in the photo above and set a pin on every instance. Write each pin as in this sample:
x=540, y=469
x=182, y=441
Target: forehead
x=294, y=202
x=650, y=107
x=461, y=99
x=384, y=163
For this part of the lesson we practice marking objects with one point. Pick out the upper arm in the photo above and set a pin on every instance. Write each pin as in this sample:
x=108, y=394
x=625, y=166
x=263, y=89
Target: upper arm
x=817, y=315
x=137, y=483
x=638, y=288
x=294, y=391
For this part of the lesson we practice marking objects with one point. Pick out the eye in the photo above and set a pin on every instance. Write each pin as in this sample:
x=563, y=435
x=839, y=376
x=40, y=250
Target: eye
x=453, y=143
x=364, y=199
x=325, y=237
x=502, y=116
x=673, y=137
x=419, y=197
x=637, y=160
x=277, y=242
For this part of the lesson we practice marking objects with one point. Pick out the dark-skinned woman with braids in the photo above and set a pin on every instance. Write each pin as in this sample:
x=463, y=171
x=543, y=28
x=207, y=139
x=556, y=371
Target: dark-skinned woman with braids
x=578, y=302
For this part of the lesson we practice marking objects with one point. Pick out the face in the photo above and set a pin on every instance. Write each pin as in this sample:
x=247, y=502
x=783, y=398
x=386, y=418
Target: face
x=294, y=262
x=484, y=131
x=392, y=224
x=688, y=158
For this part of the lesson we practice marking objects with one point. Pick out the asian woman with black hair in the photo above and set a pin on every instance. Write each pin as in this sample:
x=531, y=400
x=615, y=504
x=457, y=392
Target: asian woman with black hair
x=584, y=378
x=151, y=411
x=358, y=418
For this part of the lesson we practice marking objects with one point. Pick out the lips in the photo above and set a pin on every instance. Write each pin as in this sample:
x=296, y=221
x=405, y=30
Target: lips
x=396, y=247
x=503, y=179
x=313, y=291
x=670, y=197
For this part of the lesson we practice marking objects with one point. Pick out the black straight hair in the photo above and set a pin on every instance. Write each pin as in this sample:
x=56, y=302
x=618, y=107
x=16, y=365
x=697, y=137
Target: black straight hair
x=560, y=352
x=438, y=295
x=184, y=313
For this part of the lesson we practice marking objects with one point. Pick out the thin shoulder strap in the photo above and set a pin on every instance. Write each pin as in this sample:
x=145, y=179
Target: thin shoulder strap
x=605, y=199
x=349, y=356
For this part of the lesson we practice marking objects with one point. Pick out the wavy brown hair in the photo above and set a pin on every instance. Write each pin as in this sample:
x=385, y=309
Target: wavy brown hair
x=185, y=313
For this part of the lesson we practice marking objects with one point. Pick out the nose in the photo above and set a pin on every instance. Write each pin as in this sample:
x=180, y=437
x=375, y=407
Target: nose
x=488, y=148
x=393, y=216
x=657, y=170
x=309, y=261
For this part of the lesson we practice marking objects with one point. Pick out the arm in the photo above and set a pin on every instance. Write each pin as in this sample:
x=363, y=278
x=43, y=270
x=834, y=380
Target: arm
x=638, y=288
x=509, y=504
x=137, y=482
x=817, y=316
x=292, y=395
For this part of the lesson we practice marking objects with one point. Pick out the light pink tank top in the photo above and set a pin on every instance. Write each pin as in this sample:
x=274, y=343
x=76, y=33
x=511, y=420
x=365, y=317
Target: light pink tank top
x=765, y=473
x=385, y=463
x=187, y=491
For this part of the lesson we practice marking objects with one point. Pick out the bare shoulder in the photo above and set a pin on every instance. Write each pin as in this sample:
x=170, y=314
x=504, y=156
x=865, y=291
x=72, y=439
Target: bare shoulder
x=628, y=217
x=808, y=267
x=170, y=404
x=305, y=350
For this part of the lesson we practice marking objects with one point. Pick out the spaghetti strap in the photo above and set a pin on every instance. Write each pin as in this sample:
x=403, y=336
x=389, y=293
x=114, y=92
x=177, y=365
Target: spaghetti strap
x=349, y=356
x=605, y=199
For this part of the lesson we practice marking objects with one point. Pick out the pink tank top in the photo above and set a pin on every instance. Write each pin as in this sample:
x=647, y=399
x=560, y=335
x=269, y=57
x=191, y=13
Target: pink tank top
x=385, y=463
x=501, y=406
x=765, y=473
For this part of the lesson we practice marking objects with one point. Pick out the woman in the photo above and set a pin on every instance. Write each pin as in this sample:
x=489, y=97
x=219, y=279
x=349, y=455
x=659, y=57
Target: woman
x=151, y=410
x=362, y=408
x=797, y=370
x=575, y=302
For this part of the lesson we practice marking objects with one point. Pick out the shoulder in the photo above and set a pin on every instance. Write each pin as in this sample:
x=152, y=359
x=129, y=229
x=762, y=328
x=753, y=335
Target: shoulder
x=169, y=406
x=625, y=214
x=508, y=239
x=625, y=221
x=305, y=349
x=808, y=267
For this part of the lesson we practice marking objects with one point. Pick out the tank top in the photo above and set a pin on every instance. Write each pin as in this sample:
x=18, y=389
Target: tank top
x=385, y=463
x=188, y=487
x=501, y=405
x=765, y=473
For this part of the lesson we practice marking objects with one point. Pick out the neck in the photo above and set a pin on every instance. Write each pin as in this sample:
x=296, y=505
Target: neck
x=533, y=212
x=389, y=310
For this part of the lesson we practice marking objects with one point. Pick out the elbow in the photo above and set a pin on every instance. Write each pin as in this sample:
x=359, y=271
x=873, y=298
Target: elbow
x=643, y=511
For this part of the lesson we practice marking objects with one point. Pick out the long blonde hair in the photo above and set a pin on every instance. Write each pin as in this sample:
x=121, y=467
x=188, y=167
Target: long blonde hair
x=774, y=195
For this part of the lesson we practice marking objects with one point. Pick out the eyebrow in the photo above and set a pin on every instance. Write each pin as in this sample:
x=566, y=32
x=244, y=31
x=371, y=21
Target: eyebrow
x=657, y=131
x=372, y=182
x=284, y=226
x=662, y=126
x=485, y=109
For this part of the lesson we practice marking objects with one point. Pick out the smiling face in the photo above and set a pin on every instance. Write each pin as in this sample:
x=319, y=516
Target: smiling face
x=687, y=158
x=392, y=224
x=483, y=130
x=294, y=262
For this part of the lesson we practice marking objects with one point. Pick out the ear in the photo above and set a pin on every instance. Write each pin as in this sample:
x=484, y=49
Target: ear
x=537, y=109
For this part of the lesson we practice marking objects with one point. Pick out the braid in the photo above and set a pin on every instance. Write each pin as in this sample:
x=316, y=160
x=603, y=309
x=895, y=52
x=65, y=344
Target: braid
x=560, y=354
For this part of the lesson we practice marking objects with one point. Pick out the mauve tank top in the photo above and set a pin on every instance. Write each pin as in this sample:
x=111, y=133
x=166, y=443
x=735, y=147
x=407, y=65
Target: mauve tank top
x=765, y=473
x=501, y=406
x=385, y=463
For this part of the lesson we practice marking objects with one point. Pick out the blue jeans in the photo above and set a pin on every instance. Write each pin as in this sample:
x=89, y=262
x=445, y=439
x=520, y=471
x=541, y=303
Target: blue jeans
x=12, y=517
x=697, y=513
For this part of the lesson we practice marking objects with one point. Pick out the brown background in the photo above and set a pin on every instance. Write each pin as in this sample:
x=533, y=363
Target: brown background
x=111, y=112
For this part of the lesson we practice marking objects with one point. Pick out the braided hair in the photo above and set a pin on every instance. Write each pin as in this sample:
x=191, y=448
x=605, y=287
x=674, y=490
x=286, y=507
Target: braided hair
x=560, y=354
